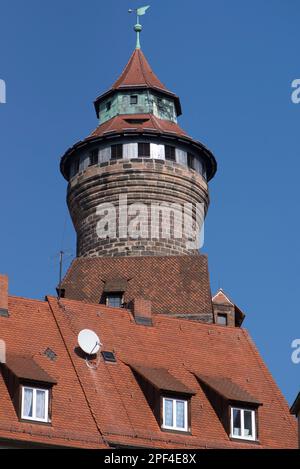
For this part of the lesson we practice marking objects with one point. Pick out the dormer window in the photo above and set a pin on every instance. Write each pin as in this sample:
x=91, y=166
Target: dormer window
x=133, y=99
x=114, y=300
x=168, y=398
x=222, y=319
x=35, y=404
x=30, y=388
x=175, y=414
x=235, y=407
x=113, y=292
x=108, y=106
x=243, y=424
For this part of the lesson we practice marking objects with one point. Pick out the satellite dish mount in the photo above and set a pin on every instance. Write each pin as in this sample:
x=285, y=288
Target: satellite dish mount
x=90, y=344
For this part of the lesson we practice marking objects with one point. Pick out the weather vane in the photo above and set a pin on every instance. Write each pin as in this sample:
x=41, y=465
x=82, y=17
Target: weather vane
x=138, y=27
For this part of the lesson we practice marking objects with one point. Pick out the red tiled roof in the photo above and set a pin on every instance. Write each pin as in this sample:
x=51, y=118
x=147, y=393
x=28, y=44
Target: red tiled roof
x=86, y=278
x=95, y=407
x=28, y=331
x=161, y=379
x=116, y=284
x=227, y=389
x=27, y=368
x=121, y=409
x=138, y=123
x=138, y=73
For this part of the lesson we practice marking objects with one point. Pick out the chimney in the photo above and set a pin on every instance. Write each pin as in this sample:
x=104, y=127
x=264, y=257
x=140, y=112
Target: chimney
x=4, y=295
x=141, y=310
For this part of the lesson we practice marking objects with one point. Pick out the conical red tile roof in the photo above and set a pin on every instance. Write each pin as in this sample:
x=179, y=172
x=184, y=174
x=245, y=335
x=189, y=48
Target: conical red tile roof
x=138, y=73
x=139, y=123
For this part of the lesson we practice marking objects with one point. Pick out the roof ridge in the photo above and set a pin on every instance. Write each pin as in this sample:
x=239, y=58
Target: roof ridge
x=27, y=299
x=140, y=56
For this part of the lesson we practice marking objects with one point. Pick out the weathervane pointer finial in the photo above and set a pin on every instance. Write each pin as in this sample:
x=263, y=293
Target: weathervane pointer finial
x=138, y=27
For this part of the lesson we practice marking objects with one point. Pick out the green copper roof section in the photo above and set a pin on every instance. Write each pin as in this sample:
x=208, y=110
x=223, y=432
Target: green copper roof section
x=137, y=102
x=138, y=27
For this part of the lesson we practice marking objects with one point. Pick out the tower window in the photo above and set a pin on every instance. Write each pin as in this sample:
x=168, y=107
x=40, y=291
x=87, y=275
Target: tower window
x=93, y=157
x=191, y=161
x=35, y=404
x=133, y=99
x=170, y=153
x=144, y=150
x=243, y=424
x=117, y=151
x=222, y=319
x=114, y=300
x=108, y=106
x=175, y=414
x=160, y=103
x=76, y=165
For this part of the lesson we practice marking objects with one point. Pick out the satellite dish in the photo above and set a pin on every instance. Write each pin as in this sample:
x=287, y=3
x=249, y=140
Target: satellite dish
x=89, y=342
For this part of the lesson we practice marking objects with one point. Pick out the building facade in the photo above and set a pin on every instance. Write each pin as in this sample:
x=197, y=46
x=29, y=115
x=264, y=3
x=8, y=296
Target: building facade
x=295, y=410
x=176, y=369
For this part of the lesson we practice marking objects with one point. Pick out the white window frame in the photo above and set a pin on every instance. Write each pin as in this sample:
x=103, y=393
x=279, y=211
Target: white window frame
x=253, y=422
x=34, y=417
x=174, y=427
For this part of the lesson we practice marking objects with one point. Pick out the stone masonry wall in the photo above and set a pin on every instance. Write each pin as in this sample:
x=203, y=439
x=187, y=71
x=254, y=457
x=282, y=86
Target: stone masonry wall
x=142, y=181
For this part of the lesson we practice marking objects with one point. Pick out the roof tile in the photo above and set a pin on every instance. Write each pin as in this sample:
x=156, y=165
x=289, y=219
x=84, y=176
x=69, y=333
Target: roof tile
x=161, y=379
x=141, y=123
x=227, y=389
x=27, y=368
x=138, y=73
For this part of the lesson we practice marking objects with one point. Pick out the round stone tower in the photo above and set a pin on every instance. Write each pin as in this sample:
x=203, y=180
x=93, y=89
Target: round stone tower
x=138, y=185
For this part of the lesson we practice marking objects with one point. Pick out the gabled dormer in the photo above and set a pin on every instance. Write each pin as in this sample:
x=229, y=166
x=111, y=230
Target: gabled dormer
x=226, y=313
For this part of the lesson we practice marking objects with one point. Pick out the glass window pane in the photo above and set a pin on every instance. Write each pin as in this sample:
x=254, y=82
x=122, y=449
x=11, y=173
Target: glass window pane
x=236, y=424
x=40, y=404
x=190, y=160
x=168, y=412
x=169, y=152
x=180, y=414
x=144, y=149
x=115, y=301
x=133, y=99
x=222, y=319
x=248, y=431
x=27, y=403
x=117, y=151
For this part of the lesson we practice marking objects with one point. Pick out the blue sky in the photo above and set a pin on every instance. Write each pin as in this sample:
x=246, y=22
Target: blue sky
x=232, y=64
